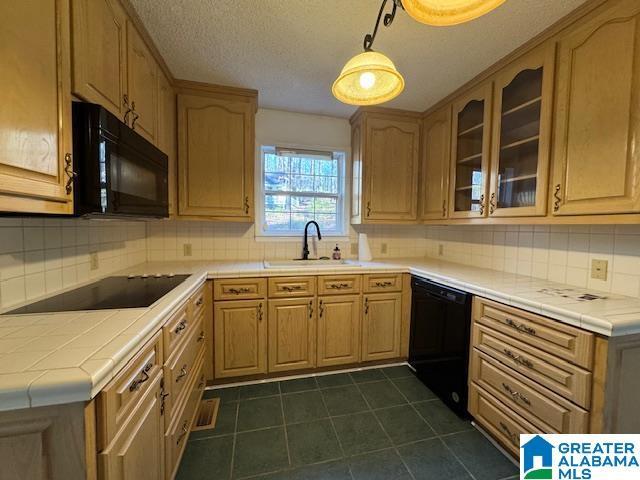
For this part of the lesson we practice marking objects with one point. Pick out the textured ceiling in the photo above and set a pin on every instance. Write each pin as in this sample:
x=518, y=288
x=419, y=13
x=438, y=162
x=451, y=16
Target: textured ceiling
x=292, y=50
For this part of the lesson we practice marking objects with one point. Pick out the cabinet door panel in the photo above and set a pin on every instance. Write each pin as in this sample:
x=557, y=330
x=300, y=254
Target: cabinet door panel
x=142, y=85
x=100, y=53
x=381, y=324
x=470, y=154
x=292, y=334
x=240, y=336
x=391, y=169
x=435, y=165
x=167, y=136
x=338, y=330
x=522, y=135
x=35, y=118
x=597, y=161
x=216, y=155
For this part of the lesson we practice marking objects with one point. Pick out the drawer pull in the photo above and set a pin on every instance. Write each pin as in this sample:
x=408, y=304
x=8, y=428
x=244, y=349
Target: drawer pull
x=515, y=395
x=513, y=438
x=199, y=302
x=384, y=284
x=185, y=430
x=338, y=286
x=518, y=359
x=201, y=337
x=520, y=327
x=137, y=383
x=292, y=288
x=183, y=373
x=180, y=327
x=239, y=291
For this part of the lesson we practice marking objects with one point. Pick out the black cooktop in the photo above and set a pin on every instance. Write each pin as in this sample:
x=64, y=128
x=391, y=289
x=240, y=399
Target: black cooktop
x=109, y=293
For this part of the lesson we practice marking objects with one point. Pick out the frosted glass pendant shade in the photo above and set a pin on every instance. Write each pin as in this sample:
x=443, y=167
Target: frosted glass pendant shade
x=369, y=78
x=448, y=12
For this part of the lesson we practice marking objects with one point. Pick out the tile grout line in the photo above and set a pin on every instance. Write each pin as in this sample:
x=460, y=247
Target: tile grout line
x=235, y=438
x=284, y=425
x=335, y=432
x=393, y=445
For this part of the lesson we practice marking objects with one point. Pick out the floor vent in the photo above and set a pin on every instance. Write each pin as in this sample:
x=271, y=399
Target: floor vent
x=207, y=414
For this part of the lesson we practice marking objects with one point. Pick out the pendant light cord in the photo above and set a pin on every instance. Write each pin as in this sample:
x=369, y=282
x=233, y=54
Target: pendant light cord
x=388, y=20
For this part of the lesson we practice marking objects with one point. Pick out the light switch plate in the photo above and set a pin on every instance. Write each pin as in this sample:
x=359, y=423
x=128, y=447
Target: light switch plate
x=187, y=250
x=383, y=248
x=599, y=269
x=440, y=250
x=94, y=264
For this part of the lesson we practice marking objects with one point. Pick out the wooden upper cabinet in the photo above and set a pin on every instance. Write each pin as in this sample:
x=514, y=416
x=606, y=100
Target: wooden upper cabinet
x=436, y=158
x=470, y=154
x=596, y=156
x=99, y=45
x=292, y=334
x=142, y=91
x=35, y=118
x=216, y=145
x=521, y=139
x=167, y=136
x=390, y=158
x=240, y=338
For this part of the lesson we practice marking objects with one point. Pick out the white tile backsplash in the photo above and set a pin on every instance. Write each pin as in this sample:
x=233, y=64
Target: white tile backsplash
x=558, y=253
x=43, y=255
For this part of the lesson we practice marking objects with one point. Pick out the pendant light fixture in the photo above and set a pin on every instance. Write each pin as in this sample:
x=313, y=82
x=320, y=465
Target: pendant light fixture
x=448, y=12
x=371, y=78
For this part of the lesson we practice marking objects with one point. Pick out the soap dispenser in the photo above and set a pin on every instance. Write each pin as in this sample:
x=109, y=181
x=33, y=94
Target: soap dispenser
x=337, y=255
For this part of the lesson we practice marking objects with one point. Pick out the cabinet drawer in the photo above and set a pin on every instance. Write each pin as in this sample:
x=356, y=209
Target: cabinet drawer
x=121, y=396
x=178, y=433
x=178, y=371
x=559, y=376
x=292, y=287
x=197, y=304
x=504, y=425
x=540, y=406
x=383, y=283
x=569, y=343
x=176, y=329
x=240, y=289
x=339, y=285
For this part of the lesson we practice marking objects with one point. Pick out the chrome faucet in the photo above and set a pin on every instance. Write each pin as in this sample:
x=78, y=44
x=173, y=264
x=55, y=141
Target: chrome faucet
x=305, y=247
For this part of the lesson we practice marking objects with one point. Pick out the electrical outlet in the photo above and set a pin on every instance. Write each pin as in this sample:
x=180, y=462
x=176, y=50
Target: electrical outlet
x=383, y=248
x=94, y=264
x=187, y=249
x=599, y=269
x=440, y=250
x=354, y=249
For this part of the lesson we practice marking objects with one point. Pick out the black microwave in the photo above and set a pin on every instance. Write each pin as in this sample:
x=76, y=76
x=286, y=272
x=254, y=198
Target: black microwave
x=118, y=172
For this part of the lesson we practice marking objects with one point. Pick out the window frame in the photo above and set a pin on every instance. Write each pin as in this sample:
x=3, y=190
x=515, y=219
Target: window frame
x=341, y=196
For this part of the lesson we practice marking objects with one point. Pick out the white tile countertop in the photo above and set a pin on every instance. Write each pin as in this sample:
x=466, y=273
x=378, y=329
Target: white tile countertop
x=55, y=358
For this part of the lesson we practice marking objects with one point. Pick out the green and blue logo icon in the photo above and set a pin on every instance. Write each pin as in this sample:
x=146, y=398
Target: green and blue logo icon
x=537, y=459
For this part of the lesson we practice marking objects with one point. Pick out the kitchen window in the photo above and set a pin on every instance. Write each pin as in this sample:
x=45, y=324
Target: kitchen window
x=298, y=185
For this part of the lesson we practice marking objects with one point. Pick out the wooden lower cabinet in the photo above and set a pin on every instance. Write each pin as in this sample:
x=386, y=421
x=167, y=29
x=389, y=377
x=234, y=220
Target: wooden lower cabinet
x=240, y=337
x=338, y=330
x=137, y=452
x=381, y=325
x=292, y=334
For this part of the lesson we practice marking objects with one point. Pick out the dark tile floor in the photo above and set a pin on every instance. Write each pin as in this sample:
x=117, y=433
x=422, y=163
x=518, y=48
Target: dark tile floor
x=380, y=424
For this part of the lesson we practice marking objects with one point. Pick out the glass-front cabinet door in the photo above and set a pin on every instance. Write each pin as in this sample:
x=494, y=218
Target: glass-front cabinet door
x=470, y=154
x=521, y=136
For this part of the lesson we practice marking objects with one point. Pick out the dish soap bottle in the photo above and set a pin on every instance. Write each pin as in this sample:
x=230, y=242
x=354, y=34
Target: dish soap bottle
x=336, y=253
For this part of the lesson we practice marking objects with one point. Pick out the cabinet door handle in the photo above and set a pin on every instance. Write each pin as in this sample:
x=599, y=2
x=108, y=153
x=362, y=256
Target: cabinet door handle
x=163, y=398
x=180, y=327
x=481, y=204
x=366, y=306
x=444, y=209
x=185, y=430
x=260, y=312
x=311, y=308
x=183, y=373
x=135, y=115
x=125, y=102
x=201, y=337
x=320, y=309
x=492, y=203
x=144, y=374
x=558, y=198
x=368, y=209
x=246, y=205
x=199, y=302
x=71, y=175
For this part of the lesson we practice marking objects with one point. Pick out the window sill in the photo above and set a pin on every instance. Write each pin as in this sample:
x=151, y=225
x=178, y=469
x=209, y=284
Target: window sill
x=299, y=237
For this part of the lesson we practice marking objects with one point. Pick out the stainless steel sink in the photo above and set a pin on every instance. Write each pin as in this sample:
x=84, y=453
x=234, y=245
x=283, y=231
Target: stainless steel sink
x=290, y=264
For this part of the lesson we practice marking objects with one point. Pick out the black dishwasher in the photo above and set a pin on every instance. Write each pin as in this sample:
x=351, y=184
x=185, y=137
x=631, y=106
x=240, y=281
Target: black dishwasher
x=439, y=345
